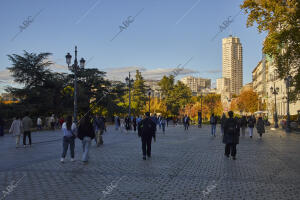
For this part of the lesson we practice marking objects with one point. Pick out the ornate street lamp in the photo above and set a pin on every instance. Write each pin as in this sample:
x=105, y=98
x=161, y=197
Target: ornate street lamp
x=75, y=68
x=288, y=81
x=129, y=82
x=275, y=92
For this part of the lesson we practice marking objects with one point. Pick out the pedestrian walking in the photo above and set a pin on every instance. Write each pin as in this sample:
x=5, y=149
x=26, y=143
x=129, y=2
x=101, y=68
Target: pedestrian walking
x=134, y=124
x=27, y=125
x=213, y=123
x=86, y=134
x=199, y=120
x=69, y=134
x=52, y=122
x=117, y=123
x=231, y=136
x=99, y=127
x=163, y=124
x=1, y=126
x=16, y=129
x=39, y=123
x=146, y=130
x=251, y=123
x=243, y=125
x=186, y=122
x=223, y=120
x=260, y=126
x=127, y=123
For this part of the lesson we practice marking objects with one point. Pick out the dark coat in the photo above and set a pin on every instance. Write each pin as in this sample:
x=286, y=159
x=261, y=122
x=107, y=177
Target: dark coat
x=86, y=130
x=223, y=120
x=147, y=128
x=231, y=135
x=251, y=122
x=243, y=122
x=260, y=126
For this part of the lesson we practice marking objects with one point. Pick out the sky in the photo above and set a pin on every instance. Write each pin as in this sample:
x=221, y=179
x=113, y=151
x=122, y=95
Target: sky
x=118, y=36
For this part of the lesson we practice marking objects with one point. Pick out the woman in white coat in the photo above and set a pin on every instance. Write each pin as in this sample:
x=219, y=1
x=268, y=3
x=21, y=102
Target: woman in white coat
x=16, y=130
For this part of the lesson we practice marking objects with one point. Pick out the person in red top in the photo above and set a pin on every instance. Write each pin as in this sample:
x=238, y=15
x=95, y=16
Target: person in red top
x=61, y=121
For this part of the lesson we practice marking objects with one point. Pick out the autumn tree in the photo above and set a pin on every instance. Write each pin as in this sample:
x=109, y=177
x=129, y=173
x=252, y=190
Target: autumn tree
x=281, y=20
x=247, y=101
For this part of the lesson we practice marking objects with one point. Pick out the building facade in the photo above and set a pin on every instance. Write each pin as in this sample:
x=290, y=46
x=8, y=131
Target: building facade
x=232, y=63
x=196, y=84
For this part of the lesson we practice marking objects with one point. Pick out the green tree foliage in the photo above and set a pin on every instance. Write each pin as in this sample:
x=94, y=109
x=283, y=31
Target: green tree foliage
x=281, y=20
x=176, y=96
x=139, y=96
x=42, y=88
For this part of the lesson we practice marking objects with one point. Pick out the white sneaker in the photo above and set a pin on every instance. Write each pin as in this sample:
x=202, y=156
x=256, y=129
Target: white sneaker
x=62, y=160
x=72, y=159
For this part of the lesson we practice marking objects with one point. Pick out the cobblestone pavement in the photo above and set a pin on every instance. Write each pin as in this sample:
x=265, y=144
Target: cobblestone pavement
x=184, y=165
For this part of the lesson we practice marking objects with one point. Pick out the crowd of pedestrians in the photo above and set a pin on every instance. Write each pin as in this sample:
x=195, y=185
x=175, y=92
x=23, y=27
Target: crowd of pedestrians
x=93, y=127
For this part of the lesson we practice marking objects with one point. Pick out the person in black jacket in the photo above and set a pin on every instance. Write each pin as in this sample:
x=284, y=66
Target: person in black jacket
x=86, y=133
x=243, y=124
x=231, y=135
x=251, y=122
x=146, y=130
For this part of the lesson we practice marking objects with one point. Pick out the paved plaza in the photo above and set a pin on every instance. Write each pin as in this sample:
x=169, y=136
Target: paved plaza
x=184, y=165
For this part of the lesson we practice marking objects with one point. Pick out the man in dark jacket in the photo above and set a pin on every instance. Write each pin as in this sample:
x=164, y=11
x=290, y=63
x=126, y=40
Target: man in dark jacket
x=213, y=122
x=146, y=130
x=86, y=133
x=99, y=127
x=186, y=122
x=231, y=135
x=243, y=125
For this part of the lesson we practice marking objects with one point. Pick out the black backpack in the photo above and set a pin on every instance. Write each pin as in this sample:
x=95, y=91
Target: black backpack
x=148, y=127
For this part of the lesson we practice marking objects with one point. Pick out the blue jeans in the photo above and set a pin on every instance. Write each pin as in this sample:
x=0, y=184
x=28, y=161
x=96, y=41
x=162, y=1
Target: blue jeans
x=68, y=141
x=86, y=143
x=250, y=131
x=213, y=129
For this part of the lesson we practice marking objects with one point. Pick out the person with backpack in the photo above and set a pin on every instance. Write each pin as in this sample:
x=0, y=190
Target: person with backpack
x=27, y=125
x=69, y=131
x=163, y=124
x=186, y=122
x=134, y=123
x=223, y=120
x=86, y=134
x=251, y=123
x=99, y=127
x=231, y=135
x=260, y=126
x=243, y=124
x=213, y=122
x=16, y=129
x=146, y=130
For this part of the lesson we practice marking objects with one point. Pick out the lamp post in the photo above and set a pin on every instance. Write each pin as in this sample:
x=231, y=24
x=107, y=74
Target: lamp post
x=149, y=94
x=129, y=81
x=75, y=68
x=275, y=92
x=288, y=81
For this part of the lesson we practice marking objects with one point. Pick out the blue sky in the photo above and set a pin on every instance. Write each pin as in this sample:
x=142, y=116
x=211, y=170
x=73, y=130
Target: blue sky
x=165, y=34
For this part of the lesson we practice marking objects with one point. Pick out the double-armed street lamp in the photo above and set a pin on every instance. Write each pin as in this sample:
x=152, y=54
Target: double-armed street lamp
x=275, y=91
x=288, y=81
x=129, y=82
x=75, y=69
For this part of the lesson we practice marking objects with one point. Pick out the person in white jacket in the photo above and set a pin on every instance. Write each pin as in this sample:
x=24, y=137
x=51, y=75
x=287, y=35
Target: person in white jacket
x=16, y=129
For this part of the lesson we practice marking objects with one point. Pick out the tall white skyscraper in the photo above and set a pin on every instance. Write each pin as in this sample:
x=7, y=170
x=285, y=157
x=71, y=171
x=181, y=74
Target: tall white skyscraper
x=232, y=62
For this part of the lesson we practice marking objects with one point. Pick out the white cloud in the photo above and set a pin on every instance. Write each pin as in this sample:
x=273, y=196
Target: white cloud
x=5, y=76
x=155, y=74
